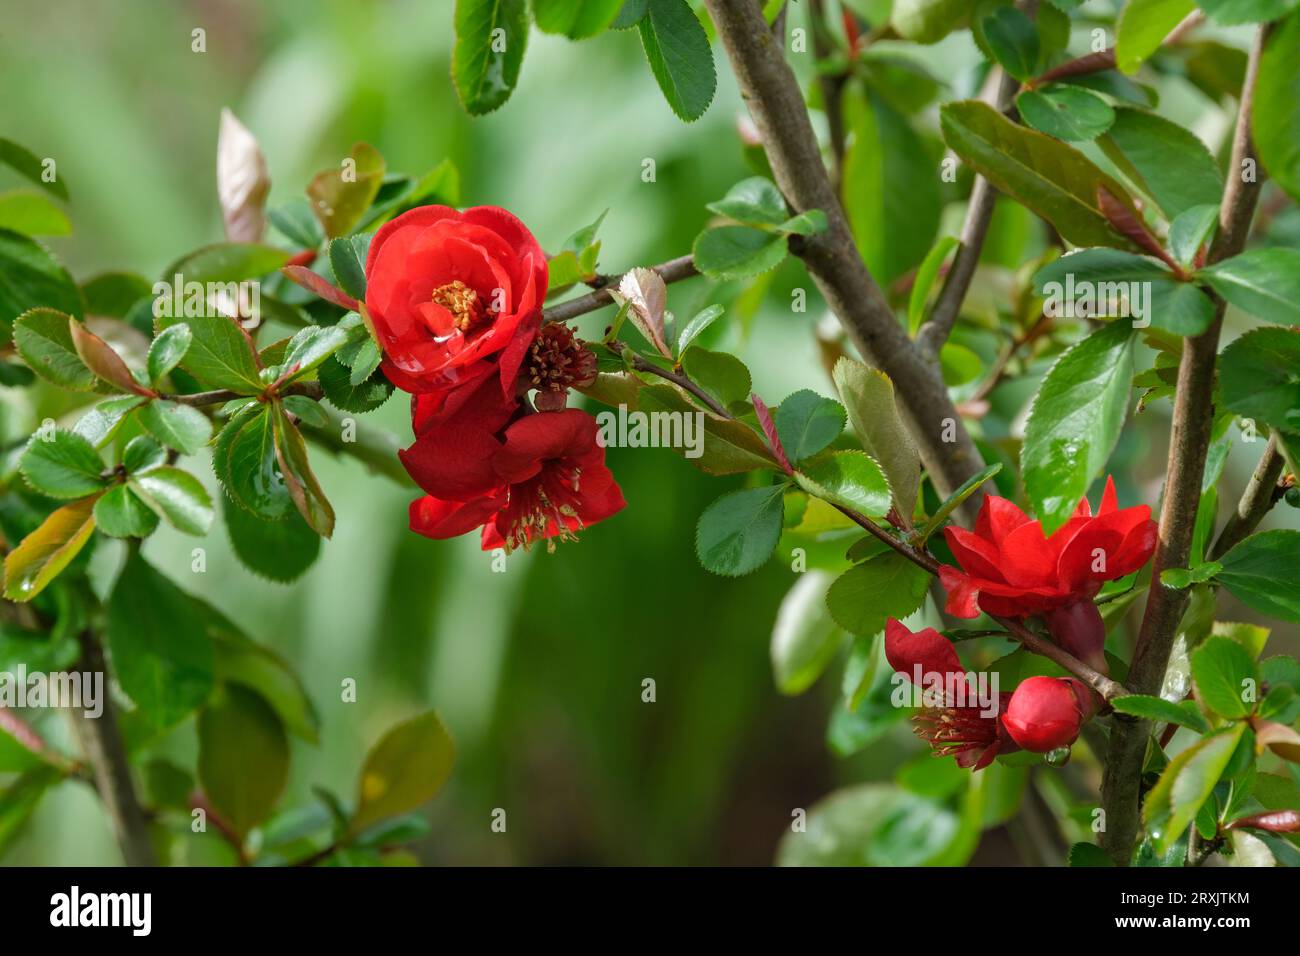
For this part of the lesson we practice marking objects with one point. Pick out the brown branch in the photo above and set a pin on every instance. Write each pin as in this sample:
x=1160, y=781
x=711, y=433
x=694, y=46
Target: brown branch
x=979, y=212
x=832, y=258
x=220, y=395
x=1189, y=442
x=832, y=87
x=101, y=739
x=674, y=270
x=1261, y=493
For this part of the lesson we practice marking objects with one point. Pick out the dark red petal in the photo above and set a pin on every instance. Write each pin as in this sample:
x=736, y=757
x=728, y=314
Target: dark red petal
x=1026, y=558
x=417, y=218
x=1043, y=714
x=453, y=461
x=435, y=518
x=976, y=555
x=535, y=439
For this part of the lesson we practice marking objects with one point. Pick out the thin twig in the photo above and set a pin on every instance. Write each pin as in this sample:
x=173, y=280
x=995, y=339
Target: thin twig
x=674, y=270
x=1261, y=493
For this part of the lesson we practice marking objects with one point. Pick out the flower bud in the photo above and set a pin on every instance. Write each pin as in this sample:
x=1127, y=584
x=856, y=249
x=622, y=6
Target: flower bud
x=1079, y=629
x=1045, y=713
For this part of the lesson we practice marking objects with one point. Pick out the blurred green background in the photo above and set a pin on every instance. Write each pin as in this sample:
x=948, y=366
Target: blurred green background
x=537, y=671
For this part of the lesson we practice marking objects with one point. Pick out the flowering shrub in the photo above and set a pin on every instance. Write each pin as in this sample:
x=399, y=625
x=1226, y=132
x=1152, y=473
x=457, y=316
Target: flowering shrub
x=991, y=305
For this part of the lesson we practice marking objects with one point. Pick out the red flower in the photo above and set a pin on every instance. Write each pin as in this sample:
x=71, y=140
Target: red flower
x=454, y=296
x=951, y=726
x=1046, y=712
x=1010, y=568
x=543, y=478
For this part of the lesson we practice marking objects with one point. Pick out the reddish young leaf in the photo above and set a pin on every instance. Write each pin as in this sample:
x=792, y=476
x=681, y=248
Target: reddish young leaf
x=315, y=284
x=103, y=361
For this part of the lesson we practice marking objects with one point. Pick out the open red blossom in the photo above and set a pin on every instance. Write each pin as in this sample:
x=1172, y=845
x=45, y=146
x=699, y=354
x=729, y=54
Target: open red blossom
x=542, y=478
x=954, y=727
x=1010, y=568
x=454, y=296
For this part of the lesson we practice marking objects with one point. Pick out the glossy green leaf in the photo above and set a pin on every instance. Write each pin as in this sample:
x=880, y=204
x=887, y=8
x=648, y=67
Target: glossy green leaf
x=1224, y=674
x=44, y=340
x=27, y=164
x=868, y=397
x=926, y=274
x=677, y=49
x=1066, y=112
x=752, y=202
x=1258, y=380
x=32, y=214
x=348, y=262
x=121, y=514
x=278, y=550
x=178, y=426
x=163, y=658
x=1263, y=282
x=806, y=423
x=491, y=36
x=336, y=380
x=576, y=19
x=1166, y=161
x=221, y=356
x=226, y=262
x=1275, y=111
x=1049, y=177
x=737, y=532
x=805, y=639
x=1233, y=12
x=1075, y=421
x=177, y=496
x=1260, y=572
x=887, y=585
x=31, y=278
x=62, y=464
x=1183, y=713
x=738, y=252
x=851, y=479
x=245, y=463
x=167, y=350
x=1143, y=26
x=305, y=491
x=1013, y=40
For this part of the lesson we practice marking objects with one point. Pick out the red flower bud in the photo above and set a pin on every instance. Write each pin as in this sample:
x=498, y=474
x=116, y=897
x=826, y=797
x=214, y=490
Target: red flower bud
x=1045, y=713
x=1079, y=629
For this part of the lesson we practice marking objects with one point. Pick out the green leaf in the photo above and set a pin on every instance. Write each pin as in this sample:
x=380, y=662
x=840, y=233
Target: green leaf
x=162, y=657
x=677, y=49
x=30, y=278
x=1275, y=113
x=926, y=273
x=348, y=261
x=696, y=326
x=44, y=340
x=27, y=164
x=887, y=585
x=576, y=19
x=1260, y=572
x=32, y=214
x=738, y=252
x=167, y=350
x=142, y=454
x=221, y=356
x=752, y=202
x=1184, y=714
x=491, y=36
x=630, y=15
x=1190, y=230
x=1250, y=636
x=226, y=262
x=405, y=769
x=19, y=798
x=336, y=380
x=1066, y=112
x=737, y=532
x=311, y=346
x=1223, y=672
x=852, y=479
x=927, y=21
x=294, y=220
x=279, y=550
x=721, y=374
x=1050, y=178
x=100, y=424
x=1075, y=421
x=1088, y=854
x=177, y=426
x=42, y=555
x=1195, y=773
x=1166, y=161
x=805, y=638
x=306, y=492
x=245, y=463
x=1013, y=40
x=891, y=193
x=868, y=397
x=1233, y=12
x=341, y=195
x=1263, y=282
x=240, y=660
x=1143, y=26
x=114, y=293
x=121, y=514
x=1257, y=376
x=64, y=465
x=871, y=824
x=243, y=756
x=806, y=423
x=954, y=500
x=176, y=496
x=1179, y=578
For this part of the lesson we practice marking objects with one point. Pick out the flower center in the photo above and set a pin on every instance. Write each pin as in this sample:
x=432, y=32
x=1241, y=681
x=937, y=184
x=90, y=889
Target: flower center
x=558, y=361
x=545, y=502
x=462, y=302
